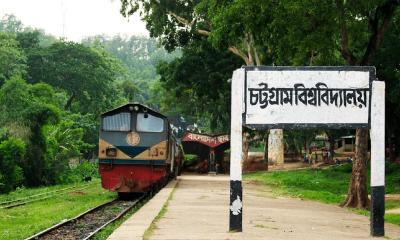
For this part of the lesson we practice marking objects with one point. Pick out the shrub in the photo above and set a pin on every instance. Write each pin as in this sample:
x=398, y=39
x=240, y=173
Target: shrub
x=392, y=167
x=12, y=152
x=189, y=159
x=80, y=173
x=344, y=168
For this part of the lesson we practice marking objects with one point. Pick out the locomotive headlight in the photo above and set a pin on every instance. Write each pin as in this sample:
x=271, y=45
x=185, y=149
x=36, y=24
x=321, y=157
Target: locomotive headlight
x=136, y=108
x=111, y=152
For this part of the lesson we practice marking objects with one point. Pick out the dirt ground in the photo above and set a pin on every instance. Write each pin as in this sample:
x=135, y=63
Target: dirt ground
x=199, y=210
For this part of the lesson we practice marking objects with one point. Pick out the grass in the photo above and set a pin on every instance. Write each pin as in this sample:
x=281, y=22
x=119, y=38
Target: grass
x=325, y=185
x=24, y=221
x=27, y=192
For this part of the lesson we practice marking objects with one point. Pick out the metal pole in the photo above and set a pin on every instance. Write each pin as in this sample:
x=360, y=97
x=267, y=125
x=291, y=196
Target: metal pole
x=377, y=159
x=236, y=204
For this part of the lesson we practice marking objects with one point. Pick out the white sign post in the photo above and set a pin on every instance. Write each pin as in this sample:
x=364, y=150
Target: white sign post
x=308, y=97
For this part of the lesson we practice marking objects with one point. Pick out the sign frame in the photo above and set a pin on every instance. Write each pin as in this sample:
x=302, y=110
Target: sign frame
x=372, y=77
x=376, y=124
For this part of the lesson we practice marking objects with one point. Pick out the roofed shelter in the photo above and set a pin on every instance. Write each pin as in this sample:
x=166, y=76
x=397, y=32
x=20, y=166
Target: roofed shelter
x=207, y=147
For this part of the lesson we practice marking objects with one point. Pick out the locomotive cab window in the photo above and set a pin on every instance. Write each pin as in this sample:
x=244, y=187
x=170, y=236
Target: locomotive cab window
x=117, y=122
x=149, y=123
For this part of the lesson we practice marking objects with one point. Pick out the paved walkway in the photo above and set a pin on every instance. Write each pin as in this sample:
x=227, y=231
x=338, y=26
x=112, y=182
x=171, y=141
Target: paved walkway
x=135, y=227
x=199, y=210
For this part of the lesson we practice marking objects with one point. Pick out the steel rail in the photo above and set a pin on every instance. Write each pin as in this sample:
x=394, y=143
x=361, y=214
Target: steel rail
x=121, y=214
x=19, y=203
x=37, y=235
x=44, y=193
x=73, y=220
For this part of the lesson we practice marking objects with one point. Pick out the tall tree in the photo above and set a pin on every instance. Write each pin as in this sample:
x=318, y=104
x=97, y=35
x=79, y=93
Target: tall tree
x=86, y=74
x=13, y=58
x=228, y=24
x=338, y=32
x=23, y=110
x=299, y=32
x=11, y=24
x=198, y=81
x=139, y=56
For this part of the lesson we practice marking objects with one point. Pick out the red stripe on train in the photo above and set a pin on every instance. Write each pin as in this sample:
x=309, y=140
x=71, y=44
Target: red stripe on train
x=131, y=178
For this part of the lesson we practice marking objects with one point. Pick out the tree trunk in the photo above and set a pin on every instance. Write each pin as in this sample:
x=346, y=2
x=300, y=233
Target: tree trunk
x=266, y=152
x=69, y=102
x=275, y=146
x=245, y=149
x=357, y=195
x=331, y=148
x=392, y=149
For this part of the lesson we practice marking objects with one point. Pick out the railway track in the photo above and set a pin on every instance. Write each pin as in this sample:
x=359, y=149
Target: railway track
x=41, y=196
x=90, y=222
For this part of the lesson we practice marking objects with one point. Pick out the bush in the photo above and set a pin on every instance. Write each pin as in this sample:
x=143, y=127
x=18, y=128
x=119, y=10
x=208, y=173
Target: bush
x=189, y=159
x=392, y=167
x=81, y=172
x=12, y=152
x=344, y=168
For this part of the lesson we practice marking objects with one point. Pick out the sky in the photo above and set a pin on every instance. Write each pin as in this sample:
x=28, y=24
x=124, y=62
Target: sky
x=74, y=19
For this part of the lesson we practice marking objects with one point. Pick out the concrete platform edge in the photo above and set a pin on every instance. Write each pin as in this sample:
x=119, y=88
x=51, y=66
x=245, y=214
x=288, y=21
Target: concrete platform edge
x=135, y=227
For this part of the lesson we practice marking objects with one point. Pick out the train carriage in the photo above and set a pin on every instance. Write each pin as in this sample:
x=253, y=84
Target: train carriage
x=137, y=150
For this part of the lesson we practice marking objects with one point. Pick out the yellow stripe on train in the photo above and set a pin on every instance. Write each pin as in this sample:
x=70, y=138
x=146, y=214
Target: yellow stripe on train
x=155, y=152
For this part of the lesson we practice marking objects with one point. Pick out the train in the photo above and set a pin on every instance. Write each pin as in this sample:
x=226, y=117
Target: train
x=138, y=151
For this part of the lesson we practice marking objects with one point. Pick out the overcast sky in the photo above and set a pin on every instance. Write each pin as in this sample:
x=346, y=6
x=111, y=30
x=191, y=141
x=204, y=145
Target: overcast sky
x=74, y=19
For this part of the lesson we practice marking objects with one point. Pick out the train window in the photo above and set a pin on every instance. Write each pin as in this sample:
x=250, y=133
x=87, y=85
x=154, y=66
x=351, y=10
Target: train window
x=117, y=122
x=149, y=123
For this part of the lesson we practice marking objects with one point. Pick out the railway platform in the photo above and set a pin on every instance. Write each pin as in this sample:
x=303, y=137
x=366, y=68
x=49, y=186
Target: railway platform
x=198, y=209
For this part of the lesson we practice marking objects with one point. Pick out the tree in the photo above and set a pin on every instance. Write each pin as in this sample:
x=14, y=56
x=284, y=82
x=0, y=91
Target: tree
x=198, y=81
x=339, y=32
x=229, y=25
x=64, y=141
x=25, y=115
x=12, y=151
x=299, y=33
x=388, y=68
x=11, y=24
x=139, y=56
x=13, y=59
x=86, y=74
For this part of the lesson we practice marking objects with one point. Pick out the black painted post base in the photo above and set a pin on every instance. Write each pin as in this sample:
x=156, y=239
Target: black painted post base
x=377, y=211
x=235, y=207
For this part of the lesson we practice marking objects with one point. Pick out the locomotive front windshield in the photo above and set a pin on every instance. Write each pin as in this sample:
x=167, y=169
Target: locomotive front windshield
x=117, y=122
x=149, y=123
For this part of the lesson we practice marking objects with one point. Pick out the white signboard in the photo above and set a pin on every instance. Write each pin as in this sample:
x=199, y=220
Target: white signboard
x=308, y=96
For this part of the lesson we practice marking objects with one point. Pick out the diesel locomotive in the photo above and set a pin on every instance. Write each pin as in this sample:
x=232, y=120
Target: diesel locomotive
x=137, y=150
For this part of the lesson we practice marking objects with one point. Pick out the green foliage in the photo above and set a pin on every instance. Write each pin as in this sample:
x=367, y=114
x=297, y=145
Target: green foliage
x=55, y=113
x=168, y=29
x=63, y=143
x=86, y=74
x=12, y=152
x=197, y=85
x=189, y=159
x=80, y=172
x=13, y=59
x=27, y=220
x=139, y=56
x=326, y=185
x=26, y=110
x=392, y=168
x=11, y=24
